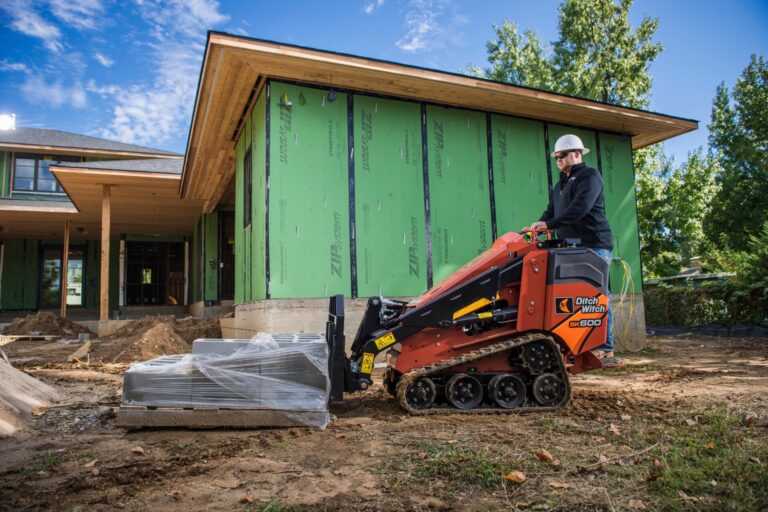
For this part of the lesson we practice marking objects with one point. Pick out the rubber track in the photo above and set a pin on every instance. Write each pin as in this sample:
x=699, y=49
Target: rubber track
x=511, y=343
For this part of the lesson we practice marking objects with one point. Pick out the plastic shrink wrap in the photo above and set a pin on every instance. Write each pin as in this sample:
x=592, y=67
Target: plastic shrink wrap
x=285, y=373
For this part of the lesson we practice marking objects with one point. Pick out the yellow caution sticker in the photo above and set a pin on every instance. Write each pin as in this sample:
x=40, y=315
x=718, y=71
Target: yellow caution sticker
x=487, y=314
x=385, y=341
x=367, y=366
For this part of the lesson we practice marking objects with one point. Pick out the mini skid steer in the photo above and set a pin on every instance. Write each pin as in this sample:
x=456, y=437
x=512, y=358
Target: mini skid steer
x=501, y=333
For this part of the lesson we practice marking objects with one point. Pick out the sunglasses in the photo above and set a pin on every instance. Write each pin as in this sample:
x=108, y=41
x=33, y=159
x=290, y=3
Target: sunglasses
x=564, y=154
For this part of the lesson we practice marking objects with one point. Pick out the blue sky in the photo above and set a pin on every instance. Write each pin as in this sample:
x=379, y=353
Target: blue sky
x=128, y=69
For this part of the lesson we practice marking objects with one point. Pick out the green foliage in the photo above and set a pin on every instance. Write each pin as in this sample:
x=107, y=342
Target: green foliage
x=599, y=56
x=739, y=137
x=596, y=56
x=672, y=205
x=725, y=301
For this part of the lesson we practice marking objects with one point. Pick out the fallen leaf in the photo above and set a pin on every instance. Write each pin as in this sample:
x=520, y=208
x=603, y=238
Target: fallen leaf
x=665, y=450
x=90, y=464
x=39, y=411
x=340, y=436
x=691, y=422
x=517, y=477
x=138, y=450
x=422, y=455
x=95, y=471
x=750, y=420
x=247, y=499
x=754, y=460
x=636, y=504
x=710, y=446
x=626, y=417
x=602, y=459
x=337, y=472
x=543, y=455
x=453, y=441
x=624, y=448
x=614, y=429
x=559, y=485
x=713, y=483
x=683, y=496
x=656, y=463
x=599, y=439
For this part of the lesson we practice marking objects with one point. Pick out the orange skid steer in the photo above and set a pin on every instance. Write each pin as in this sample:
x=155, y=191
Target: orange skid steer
x=500, y=334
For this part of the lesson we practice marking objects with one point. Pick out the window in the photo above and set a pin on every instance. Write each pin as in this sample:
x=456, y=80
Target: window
x=247, y=188
x=32, y=173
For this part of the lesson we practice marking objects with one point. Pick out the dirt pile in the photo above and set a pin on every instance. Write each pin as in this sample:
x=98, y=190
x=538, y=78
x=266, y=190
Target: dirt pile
x=153, y=336
x=158, y=340
x=46, y=323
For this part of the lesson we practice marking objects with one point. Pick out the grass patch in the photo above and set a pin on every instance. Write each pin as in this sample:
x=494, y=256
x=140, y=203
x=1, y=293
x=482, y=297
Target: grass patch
x=458, y=466
x=630, y=369
x=719, y=463
x=49, y=461
x=271, y=506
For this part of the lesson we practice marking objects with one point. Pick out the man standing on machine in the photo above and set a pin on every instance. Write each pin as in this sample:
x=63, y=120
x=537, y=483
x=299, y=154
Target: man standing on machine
x=577, y=210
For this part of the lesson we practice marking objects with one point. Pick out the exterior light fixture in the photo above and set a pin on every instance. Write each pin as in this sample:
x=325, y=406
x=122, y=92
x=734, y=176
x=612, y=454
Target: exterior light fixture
x=331, y=95
x=7, y=122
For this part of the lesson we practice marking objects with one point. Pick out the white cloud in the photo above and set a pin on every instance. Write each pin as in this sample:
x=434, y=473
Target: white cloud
x=158, y=111
x=103, y=59
x=431, y=24
x=77, y=13
x=6, y=65
x=24, y=19
x=36, y=90
x=372, y=6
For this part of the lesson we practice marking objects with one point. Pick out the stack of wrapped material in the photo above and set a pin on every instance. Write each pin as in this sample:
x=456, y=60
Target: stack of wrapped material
x=271, y=380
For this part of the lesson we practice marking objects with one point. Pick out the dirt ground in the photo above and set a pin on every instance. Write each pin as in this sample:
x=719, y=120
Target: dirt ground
x=683, y=427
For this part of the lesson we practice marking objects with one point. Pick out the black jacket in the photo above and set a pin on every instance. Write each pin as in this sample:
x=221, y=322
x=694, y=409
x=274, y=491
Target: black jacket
x=577, y=208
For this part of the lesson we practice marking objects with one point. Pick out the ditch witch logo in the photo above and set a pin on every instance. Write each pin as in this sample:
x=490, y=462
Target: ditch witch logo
x=589, y=305
x=564, y=305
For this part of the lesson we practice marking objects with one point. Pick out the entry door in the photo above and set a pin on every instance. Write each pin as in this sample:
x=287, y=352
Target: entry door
x=227, y=252
x=154, y=273
x=50, y=279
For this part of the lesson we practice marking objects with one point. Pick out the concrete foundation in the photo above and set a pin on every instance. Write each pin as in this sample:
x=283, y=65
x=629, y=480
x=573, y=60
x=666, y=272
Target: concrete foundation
x=103, y=327
x=310, y=315
x=201, y=310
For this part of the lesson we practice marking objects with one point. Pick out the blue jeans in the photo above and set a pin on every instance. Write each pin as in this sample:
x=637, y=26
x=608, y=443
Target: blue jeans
x=608, y=347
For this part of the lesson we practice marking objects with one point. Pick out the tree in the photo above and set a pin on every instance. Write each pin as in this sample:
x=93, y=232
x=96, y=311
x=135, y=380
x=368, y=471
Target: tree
x=517, y=60
x=597, y=54
x=739, y=139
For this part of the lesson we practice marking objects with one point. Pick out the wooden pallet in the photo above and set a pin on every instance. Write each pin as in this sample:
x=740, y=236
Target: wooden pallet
x=135, y=417
x=4, y=340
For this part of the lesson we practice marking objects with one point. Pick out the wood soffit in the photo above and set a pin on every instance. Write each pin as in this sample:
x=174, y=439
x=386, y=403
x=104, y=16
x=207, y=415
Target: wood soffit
x=233, y=66
x=141, y=203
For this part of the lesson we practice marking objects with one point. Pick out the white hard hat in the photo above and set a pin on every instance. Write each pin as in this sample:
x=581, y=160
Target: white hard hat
x=569, y=142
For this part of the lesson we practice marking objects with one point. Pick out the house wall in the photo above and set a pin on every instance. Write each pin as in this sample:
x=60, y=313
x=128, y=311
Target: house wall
x=20, y=276
x=346, y=209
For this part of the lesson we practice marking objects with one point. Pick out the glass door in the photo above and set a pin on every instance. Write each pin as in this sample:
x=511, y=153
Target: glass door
x=50, y=281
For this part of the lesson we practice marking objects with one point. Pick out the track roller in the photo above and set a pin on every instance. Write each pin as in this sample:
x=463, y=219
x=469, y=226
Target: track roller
x=548, y=389
x=421, y=393
x=507, y=390
x=463, y=391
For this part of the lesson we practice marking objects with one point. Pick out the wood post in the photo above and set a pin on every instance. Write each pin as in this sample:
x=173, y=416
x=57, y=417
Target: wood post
x=105, y=225
x=64, y=270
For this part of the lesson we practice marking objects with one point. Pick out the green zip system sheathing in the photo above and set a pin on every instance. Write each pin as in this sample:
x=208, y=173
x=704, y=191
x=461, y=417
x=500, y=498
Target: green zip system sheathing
x=5, y=174
x=309, y=242
x=621, y=207
x=460, y=209
x=250, y=240
x=415, y=178
x=389, y=198
x=19, y=286
x=520, y=184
